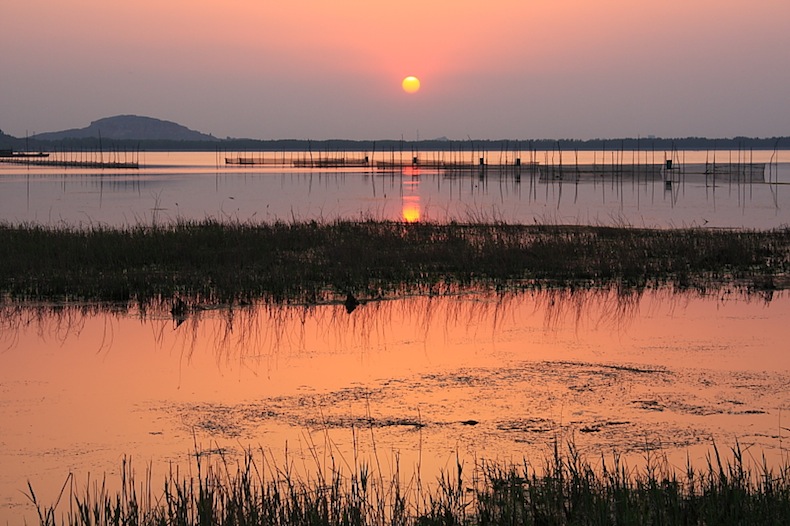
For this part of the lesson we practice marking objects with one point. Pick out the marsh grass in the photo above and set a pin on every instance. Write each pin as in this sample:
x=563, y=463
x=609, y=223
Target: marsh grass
x=218, y=263
x=563, y=489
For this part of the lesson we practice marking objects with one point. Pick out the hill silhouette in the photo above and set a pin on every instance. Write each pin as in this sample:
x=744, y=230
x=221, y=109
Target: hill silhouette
x=129, y=127
x=8, y=142
x=147, y=133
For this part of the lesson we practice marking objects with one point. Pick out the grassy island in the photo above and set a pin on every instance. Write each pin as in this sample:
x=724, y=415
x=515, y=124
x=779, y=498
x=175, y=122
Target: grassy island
x=211, y=262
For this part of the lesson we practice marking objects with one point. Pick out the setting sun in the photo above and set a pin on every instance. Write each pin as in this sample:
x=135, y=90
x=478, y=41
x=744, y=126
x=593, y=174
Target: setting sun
x=411, y=84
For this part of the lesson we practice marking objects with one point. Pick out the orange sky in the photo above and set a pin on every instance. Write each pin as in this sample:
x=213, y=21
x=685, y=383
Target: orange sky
x=314, y=69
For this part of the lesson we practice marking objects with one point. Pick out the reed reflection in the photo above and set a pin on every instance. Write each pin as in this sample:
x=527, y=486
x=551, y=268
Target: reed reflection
x=500, y=374
x=262, y=328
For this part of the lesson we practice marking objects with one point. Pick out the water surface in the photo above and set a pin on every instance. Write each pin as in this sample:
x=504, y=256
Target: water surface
x=423, y=380
x=196, y=185
x=420, y=379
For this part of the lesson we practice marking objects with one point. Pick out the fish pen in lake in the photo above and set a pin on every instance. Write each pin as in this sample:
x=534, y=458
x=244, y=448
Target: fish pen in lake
x=76, y=159
x=301, y=161
x=575, y=172
x=331, y=162
x=457, y=167
x=743, y=172
x=509, y=164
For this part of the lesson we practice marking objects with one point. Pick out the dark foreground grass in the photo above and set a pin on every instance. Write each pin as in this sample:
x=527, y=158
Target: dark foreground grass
x=212, y=262
x=565, y=490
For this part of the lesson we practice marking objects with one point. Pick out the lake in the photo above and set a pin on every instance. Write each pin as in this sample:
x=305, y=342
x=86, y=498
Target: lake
x=415, y=382
x=192, y=186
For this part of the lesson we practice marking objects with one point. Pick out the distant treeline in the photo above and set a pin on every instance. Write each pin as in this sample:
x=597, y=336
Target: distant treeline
x=339, y=145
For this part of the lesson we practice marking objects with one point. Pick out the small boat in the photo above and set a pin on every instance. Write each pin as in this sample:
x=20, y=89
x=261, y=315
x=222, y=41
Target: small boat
x=21, y=155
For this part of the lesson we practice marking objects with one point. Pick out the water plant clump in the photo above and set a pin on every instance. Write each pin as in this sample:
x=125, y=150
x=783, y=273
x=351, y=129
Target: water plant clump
x=210, y=262
x=563, y=489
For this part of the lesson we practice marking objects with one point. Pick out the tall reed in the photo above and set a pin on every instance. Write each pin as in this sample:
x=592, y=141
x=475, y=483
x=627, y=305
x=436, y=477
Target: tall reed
x=565, y=489
x=211, y=262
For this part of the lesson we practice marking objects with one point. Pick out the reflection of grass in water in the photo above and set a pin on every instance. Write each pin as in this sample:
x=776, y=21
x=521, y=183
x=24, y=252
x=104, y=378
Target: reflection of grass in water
x=212, y=262
x=232, y=331
x=563, y=489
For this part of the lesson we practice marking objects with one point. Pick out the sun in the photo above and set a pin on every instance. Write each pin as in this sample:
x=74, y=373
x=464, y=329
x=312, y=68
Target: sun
x=411, y=84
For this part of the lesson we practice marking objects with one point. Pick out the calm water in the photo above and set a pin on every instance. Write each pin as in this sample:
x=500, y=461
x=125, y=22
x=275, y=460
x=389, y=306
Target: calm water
x=659, y=373
x=171, y=186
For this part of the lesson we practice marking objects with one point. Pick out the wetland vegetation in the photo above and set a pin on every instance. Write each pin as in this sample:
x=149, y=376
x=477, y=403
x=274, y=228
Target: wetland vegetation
x=561, y=489
x=212, y=262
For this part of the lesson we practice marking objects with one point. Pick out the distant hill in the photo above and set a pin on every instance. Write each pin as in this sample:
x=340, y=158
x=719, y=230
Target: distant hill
x=147, y=133
x=129, y=128
x=8, y=142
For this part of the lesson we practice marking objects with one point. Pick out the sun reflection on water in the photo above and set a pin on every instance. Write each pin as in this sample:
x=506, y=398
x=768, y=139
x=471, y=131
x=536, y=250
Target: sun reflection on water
x=411, y=211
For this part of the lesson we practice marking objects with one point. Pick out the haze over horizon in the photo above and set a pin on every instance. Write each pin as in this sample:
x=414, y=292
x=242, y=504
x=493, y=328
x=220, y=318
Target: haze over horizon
x=317, y=70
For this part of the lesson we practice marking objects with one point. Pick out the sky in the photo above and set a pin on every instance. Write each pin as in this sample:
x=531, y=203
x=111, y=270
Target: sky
x=319, y=69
